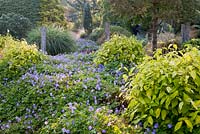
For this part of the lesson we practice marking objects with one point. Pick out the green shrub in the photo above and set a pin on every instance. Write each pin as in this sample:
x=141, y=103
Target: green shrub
x=193, y=42
x=99, y=32
x=164, y=93
x=88, y=120
x=58, y=40
x=120, y=49
x=16, y=57
x=17, y=25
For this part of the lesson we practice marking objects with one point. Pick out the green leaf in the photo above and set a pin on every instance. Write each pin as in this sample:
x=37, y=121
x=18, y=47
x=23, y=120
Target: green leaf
x=186, y=98
x=193, y=74
x=150, y=120
x=197, y=120
x=178, y=126
x=174, y=103
x=174, y=95
x=180, y=106
x=189, y=124
x=163, y=114
x=158, y=112
x=167, y=102
x=125, y=77
x=149, y=93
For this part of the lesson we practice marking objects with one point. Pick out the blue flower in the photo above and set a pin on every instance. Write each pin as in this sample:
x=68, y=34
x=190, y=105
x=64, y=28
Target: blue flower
x=103, y=131
x=156, y=125
x=169, y=126
x=64, y=130
x=90, y=128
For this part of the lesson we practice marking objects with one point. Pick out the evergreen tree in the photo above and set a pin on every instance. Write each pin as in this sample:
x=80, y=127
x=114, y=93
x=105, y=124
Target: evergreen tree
x=87, y=18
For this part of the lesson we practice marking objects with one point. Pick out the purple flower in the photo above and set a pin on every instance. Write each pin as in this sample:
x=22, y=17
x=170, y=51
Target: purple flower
x=103, y=131
x=98, y=87
x=148, y=129
x=64, y=130
x=18, y=119
x=169, y=126
x=56, y=85
x=140, y=124
x=90, y=128
x=91, y=108
x=156, y=125
x=117, y=111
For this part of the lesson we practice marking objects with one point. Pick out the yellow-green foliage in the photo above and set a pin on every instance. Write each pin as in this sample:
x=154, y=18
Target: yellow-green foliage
x=166, y=91
x=120, y=49
x=16, y=57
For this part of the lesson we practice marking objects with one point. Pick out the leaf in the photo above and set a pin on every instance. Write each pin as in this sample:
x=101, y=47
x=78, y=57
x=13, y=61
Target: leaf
x=174, y=103
x=150, y=120
x=189, y=124
x=167, y=102
x=158, y=112
x=195, y=105
x=193, y=74
x=125, y=77
x=178, y=126
x=149, y=93
x=197, y=120
x=163, y=114
x=180, y=106
x=174, y=95
x=163, y=100
x=197, y=81
x=186, y=98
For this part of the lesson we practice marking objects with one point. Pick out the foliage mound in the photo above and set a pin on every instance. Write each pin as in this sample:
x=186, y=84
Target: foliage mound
x=16, y=57
x=120, y=49
x=193, y=42
x=164, y=95
x=17, y=25
x=58, y=40
x=98, y=33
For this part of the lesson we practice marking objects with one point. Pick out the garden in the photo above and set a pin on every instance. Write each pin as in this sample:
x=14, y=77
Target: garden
x=109, y=67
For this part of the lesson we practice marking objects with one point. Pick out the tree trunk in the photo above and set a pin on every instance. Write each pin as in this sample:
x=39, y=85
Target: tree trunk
x=154, y=33
x=155, y=24
x=185, y=32
x=107, y=30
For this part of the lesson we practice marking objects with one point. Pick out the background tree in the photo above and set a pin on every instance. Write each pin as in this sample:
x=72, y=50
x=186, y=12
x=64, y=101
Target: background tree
x=16, y=24
x=155, y=9
x=51, y=11
x=87, y=18
x=76, y=9
x=28, y=8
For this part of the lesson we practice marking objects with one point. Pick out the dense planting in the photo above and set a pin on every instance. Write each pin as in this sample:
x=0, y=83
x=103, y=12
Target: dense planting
x=164, y=95
x=62, y=94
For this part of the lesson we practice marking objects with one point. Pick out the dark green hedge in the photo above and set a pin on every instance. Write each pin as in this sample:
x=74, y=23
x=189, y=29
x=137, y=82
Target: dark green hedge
x=27, y=8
